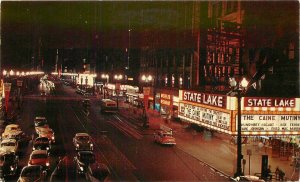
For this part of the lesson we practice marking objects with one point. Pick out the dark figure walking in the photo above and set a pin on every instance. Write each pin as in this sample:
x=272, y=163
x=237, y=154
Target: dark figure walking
x=279, y=174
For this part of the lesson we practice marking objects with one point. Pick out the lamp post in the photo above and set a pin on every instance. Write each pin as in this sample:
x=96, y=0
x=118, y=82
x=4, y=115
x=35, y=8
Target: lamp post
x=105, y=76
x=118, y=78
x=147, y=79
x=239, y=87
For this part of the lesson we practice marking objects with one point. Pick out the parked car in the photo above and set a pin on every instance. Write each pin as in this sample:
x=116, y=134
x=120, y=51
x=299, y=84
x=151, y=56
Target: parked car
x=43, y=93
x=18, y=135
x=9, y=145
x=11, y=127
x=9, y=162
x=83, y=141
x=40, y=121
x=247, y=178
x=48, y=133
x=86, y=103
x=165, y=138
x=82, y=161
x=32, y=173
x=39, y=157
x=41, y=143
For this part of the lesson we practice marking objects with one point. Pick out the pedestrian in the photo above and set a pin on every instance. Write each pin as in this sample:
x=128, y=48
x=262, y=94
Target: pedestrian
x=269, y=171
x=279, y=174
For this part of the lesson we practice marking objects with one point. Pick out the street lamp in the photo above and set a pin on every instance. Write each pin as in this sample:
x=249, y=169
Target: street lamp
x=239, y=87
x=117, y=78
x=4, y=72
x=11, y=72
x=146, y=79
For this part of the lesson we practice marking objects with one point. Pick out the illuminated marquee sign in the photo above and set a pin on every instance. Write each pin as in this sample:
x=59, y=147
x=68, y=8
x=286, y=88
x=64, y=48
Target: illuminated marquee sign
x=207, y=116
x=269, y=102
x=204, y=98
x=270, y=123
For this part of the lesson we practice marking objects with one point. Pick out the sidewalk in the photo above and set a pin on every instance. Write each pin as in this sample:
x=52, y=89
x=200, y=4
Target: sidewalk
x=216, y=150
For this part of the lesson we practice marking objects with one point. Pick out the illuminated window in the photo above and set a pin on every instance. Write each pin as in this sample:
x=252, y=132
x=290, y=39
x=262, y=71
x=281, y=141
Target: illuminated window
x=291, y=51
x=173, y=80
x=180, y=81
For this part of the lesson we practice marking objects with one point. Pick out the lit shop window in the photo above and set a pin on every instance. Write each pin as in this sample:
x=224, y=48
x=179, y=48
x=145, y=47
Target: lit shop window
x=180, y=81
x=173, y=80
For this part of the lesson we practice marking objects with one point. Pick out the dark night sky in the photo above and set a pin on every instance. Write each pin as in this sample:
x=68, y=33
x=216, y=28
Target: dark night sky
x=105, y=24
x=75, y=24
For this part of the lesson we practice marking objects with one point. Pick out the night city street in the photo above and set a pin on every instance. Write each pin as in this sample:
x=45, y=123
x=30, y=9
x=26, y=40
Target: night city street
x=149, y=91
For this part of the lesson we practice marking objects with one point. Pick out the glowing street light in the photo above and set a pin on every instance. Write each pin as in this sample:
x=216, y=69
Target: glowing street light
x=239, y=87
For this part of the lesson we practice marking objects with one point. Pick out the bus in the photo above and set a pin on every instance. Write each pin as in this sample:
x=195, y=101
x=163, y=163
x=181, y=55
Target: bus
x=108, y=105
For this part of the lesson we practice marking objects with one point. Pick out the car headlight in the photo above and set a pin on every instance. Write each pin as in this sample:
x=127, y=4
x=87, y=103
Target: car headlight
x=47, y=164
x=12, y=168
x=81, y=168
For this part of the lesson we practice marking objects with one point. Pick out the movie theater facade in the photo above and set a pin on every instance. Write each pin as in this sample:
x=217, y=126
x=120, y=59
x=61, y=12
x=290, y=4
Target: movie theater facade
x=260, y=116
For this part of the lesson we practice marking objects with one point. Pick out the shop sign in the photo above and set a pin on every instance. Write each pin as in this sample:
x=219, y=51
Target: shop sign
x=165, y=99
x=165, y=102
x=267, y=123
x=204, y=115
x=165, y=96
x=204, y=98
x=269, y=102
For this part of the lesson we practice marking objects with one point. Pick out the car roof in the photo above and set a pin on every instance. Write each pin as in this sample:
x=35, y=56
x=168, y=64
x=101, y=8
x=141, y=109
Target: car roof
x=9, y=140
x=31, y=168
x=41, y=138
x=85, y=152
x=12, y=126
x=40, y=117
x=82, y=134
x=39, y=152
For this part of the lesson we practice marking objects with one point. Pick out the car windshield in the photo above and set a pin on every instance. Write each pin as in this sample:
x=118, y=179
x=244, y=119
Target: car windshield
x=8, y=144
x=42, y=140
x=32, y=172
x=83, y=138
x=39, y=156
x=40, y=122
x=43, y=145
x=13, y=128
x=45, y=132
x=87, y=158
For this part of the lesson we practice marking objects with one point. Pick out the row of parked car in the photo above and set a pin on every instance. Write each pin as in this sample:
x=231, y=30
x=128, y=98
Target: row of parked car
x=12, y=139
x=85, y=92
x=39, y=160
x=85, y=162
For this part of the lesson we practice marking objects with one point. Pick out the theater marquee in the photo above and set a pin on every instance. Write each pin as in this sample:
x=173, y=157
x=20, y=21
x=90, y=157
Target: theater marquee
x=204, y=98
x=271, y=123
x=203, y=116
